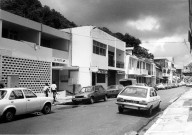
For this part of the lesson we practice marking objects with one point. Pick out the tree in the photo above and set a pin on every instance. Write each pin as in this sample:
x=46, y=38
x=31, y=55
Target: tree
x=32, y=9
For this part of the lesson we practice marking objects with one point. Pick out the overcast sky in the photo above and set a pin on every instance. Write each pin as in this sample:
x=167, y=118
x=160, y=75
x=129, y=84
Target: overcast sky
x=155, y=22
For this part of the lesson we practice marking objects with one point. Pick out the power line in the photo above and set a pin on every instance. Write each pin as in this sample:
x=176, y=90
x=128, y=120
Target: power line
x=163, y=42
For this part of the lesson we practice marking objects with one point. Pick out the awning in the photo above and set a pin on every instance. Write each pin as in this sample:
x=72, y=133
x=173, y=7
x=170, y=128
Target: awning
x=65, y=68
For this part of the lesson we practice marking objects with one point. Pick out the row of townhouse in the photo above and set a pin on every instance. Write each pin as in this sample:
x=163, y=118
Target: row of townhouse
x=141, y=69
x=32, y=54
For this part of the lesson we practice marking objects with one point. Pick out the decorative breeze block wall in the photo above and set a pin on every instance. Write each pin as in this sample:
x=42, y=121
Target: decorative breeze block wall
x=33, y=74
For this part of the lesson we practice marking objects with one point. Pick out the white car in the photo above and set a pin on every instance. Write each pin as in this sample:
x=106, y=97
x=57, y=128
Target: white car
x=16, y=101
x=138, y=98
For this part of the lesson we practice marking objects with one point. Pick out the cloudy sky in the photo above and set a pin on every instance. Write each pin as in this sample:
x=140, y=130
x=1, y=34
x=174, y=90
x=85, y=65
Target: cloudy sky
x=161, y=25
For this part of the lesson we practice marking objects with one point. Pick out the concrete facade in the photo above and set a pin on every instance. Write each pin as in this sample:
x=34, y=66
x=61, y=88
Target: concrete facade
x=35, y=53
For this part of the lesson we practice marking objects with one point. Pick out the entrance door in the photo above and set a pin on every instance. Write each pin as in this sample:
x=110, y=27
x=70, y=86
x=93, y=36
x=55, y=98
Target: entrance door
x=93, y=79
x=111, y=77
x=55, y=77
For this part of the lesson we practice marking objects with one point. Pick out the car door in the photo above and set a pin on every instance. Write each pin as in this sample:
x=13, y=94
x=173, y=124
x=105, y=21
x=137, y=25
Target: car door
x=157, y=98
x=33, y=103
x=153, y=97
x=17, y=99
x=101, y=92
x=97, y=93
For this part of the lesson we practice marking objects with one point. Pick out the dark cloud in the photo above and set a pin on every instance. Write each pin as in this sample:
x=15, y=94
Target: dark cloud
x=114, y=14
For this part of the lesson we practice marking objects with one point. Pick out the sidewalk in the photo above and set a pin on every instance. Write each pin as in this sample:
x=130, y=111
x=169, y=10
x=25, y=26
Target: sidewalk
x=176, y=119
x=60, y=97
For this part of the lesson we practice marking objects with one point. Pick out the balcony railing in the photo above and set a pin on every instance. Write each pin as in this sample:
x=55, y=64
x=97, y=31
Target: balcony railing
x=119, y=64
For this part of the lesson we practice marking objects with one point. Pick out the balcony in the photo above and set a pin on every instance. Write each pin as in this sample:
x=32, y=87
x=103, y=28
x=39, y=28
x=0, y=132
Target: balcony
x=119, y=64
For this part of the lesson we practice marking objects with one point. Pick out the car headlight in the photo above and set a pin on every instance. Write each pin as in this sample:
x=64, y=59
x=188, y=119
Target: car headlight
x=120, y=100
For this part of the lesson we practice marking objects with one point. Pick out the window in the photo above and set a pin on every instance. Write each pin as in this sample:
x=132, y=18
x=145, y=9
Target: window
x=16, y=94
x=99, y=48
x=135, y=92
x=152, y=93
x=100, y=78
x=2, y=94
x=29, y=94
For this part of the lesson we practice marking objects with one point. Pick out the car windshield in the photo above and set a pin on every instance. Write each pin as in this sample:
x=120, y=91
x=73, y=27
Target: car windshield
x=86, y=89
x=2, y=94
x=134, y=92
x=113, y=87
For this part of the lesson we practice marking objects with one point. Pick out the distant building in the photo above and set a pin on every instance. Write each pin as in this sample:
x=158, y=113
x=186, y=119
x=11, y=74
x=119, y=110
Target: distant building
x=168, y=69
x=141, y=69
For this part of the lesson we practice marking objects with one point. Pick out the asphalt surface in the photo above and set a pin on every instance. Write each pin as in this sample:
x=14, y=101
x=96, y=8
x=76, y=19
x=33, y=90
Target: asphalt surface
x=95, y=119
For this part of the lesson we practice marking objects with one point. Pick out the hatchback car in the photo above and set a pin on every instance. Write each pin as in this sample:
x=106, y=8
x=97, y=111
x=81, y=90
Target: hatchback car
x=160, y=86
x=113, y=90
x=138, y=98
x=16, y=101
x=90, y=94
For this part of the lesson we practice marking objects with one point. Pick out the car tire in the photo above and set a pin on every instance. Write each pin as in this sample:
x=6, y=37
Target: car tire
x=75, y=103
x=9, y=115
x=92, y=100
x=120, y=109
x=46, y=109
x=150, y=111
x=105, y=98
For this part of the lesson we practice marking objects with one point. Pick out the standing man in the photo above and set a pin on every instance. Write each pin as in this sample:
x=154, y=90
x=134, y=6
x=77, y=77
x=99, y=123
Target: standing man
x=54, y=90
x=46, y=89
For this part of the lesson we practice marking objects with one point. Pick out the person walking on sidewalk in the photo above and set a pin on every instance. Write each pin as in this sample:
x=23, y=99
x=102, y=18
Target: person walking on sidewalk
x=54, y=90
x=46, y=89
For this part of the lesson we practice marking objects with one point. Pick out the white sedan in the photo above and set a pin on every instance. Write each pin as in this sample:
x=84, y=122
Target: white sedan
x=138, y=98
x=16, y=101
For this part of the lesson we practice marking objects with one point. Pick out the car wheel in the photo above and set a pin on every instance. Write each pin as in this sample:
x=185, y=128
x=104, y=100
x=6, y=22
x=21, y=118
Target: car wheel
x=120, y=109
x=92, y=100
x=149, y=111
x=105, y=98
x=46, y=109
x=75, y=103
x=9, y=115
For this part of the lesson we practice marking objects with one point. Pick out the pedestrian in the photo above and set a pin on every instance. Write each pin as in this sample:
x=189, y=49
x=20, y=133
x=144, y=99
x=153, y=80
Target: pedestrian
x=46, y=89
x=54, y=91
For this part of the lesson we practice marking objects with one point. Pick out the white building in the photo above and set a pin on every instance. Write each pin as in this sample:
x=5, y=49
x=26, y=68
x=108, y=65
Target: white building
x=169, y=71
x=141, y=69
x=99, y=56
x=32, y=54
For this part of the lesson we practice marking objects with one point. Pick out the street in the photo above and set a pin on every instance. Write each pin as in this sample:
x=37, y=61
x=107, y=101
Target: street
x=86, y=119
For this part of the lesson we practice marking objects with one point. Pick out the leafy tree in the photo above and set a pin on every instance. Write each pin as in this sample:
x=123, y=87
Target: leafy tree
x=32, y=9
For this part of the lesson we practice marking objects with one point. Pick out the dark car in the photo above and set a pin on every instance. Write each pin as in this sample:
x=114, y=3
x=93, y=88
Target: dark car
x=113, y=90
x=90, y=94
x=127, y=82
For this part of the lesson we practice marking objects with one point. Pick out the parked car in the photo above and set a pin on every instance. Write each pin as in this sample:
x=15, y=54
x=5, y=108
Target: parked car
x=138, y=98
x=16, y=101
x=160, y=86
x=113, y=90
x=90, y=94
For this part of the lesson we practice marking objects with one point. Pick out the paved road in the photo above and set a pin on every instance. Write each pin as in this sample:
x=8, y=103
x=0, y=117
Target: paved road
x=96, y=119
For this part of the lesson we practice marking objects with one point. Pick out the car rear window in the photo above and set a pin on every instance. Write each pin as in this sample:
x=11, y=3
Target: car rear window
x=134, y=92
x=2, y=94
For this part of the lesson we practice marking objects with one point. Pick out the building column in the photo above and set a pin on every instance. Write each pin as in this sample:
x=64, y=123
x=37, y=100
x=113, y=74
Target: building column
x=1, y=27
